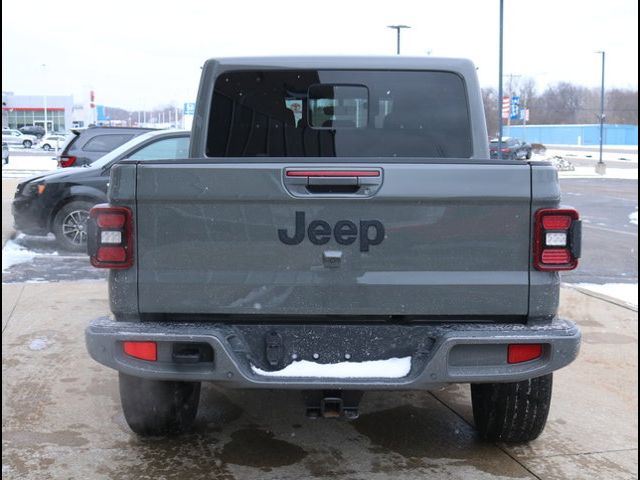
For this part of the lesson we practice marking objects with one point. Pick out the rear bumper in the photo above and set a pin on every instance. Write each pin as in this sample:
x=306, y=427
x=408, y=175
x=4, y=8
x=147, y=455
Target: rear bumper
x=441, y=354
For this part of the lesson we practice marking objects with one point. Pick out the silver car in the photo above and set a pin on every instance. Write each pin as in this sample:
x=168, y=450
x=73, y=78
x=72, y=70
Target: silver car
x=15, y=137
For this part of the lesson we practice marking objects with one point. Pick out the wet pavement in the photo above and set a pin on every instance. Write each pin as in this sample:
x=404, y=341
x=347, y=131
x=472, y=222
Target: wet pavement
x=48, y=262
x=609, y=239
x=62, y=417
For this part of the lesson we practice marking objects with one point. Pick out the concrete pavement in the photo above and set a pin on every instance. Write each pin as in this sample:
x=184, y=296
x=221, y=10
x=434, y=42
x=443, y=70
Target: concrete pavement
x=62, y=419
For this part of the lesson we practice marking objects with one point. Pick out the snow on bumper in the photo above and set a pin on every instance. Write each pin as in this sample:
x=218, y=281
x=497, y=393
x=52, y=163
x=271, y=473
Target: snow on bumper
x=439, y=353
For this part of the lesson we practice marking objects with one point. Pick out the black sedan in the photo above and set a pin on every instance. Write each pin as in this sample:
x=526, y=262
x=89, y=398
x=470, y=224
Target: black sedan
x=512, y=149
x=59, y=201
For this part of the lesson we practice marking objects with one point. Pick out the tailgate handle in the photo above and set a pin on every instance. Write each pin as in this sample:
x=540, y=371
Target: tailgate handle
x=332, y=182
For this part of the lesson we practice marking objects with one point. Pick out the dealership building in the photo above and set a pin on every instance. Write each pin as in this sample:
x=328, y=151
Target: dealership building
x=22, y=110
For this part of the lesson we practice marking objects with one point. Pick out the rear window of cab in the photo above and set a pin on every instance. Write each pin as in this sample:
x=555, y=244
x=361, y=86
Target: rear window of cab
x=339, y=113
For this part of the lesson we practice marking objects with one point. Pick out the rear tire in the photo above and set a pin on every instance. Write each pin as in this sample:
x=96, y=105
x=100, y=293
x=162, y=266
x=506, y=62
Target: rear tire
x=529, y=155
x=27, y=144
x=512, y=412
x=70, y=225
x=47, y=147
x=155, y=407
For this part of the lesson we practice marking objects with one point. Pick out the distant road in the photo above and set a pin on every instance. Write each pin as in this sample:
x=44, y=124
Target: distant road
x=610, y=240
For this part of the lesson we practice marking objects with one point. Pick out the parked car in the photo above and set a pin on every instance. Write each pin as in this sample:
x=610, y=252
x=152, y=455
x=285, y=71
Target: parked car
x=5, y=153
x=35, y=130
x=59, y=201
x=52, y=142
x=16, y=137
x=512, y=149
x=86, y=145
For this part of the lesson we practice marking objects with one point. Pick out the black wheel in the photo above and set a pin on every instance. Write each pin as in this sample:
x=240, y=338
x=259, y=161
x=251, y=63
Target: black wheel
x=512, y=412
x=70, y=225
x=154, y=407
x=529, y=155
x=27, y=144
x=47, y=147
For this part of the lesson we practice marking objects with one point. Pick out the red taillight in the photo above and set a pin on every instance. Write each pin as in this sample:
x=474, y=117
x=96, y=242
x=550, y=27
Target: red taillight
x=110, y=237
x=67, y=161
x=556, y=222
x=333, y=173
x=505, y=150
x=556, y=255
x=523, y=352
x=556, y=243
x=111, y=220
x=111, y=254
x=142, y=350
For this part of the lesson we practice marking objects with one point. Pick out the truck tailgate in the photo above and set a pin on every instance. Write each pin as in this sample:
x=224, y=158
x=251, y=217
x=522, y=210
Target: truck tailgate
x=235, y=238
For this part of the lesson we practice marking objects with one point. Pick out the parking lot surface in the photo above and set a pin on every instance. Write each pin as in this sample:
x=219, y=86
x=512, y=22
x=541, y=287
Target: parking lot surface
x=62, y=419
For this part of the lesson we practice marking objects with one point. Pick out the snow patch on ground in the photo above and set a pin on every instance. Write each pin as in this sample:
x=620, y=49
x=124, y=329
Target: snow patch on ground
x=630, y=155
x=13, y=254
x=39, y=344
x=32, y=162
x=390, y=368
x=27, y=165
x=612, y=173
x=633, y=217
x=627, y=292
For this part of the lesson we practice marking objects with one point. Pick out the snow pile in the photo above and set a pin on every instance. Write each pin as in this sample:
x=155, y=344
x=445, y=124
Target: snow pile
x=627, y=292
x=31, y=162
x=612, y=173
x=12, y=254
x=633, y=217
x=28, y=165
x=390, y=368
x=39, y=344
x=627, y=153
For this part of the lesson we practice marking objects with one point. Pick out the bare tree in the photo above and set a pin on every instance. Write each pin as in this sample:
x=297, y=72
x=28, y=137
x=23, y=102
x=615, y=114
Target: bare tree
x=565, y=103
x=621, y=106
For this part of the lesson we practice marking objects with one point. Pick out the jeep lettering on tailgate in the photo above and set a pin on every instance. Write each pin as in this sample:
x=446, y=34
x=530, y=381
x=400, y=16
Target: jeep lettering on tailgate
x=345, y=232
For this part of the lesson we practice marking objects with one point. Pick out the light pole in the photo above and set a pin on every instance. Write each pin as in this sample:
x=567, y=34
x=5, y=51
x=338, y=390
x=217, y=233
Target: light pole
x=500, y=84
x=397, y=29
x=44, y=69
x=601, y=168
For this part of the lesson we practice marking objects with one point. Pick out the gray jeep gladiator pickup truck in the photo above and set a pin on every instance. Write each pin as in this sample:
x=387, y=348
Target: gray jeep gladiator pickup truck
x=339, y=227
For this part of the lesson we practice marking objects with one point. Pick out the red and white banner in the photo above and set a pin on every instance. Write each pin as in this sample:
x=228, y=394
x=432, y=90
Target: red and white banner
x=506, y=107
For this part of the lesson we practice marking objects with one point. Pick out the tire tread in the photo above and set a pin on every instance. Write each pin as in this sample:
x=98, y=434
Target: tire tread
x=512, y=412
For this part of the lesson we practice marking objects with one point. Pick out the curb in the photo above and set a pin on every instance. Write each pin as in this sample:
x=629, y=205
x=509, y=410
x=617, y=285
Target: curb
x=601, y=296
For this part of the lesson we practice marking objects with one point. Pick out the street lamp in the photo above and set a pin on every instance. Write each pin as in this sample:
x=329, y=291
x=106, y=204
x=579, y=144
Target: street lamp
x=500, y=81
x=397, y=29
x=44, y=66
x=601, y=168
